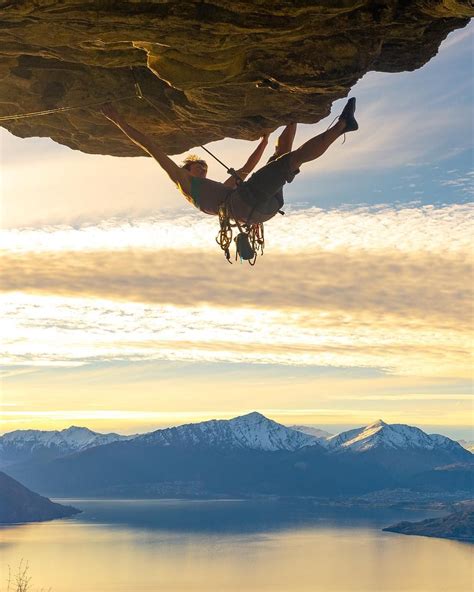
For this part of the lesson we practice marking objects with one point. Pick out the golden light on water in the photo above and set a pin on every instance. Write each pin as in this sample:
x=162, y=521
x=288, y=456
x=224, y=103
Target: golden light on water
x=292, y=550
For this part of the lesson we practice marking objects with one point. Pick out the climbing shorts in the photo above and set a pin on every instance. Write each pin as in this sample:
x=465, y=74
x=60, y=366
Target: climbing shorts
x=262, y=193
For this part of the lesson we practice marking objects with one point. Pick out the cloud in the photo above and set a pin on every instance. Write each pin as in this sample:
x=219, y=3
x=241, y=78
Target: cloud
x=422, y=286
x=53, y=331
x=392, y=137
x=327, y=310
x=369, y=288
x=464, y=184
x=377, y=228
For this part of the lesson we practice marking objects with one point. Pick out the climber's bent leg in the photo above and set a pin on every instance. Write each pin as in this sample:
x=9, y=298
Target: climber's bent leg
x=284, y=143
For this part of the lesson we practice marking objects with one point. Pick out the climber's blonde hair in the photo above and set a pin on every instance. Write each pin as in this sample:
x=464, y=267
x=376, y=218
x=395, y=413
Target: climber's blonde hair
x=192, y=159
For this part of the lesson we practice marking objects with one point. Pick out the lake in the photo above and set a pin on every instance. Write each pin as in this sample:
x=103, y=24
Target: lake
x=230, y=546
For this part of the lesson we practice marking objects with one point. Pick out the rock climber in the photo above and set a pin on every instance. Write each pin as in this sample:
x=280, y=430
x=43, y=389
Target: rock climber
x=250, y=201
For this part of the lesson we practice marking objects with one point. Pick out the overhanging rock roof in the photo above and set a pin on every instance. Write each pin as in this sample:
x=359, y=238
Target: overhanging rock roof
x=214, y=69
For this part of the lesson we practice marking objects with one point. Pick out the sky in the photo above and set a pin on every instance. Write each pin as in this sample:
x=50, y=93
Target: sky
x=119, y=312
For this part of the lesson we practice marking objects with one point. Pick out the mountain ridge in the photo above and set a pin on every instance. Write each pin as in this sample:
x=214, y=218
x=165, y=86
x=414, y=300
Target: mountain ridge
x=246, y=455
x=252, y=430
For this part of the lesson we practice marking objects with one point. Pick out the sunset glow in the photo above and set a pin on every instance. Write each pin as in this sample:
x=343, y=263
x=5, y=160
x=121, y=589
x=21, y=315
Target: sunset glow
x=120, y=312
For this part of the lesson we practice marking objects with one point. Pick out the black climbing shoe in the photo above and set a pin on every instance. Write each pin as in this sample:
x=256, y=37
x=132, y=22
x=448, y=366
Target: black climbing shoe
x=244, y=250
x=347, y=116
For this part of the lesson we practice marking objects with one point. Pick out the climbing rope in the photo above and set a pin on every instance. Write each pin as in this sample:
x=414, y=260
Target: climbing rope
x=64, y=109
x=257, y=241
x=224, y=236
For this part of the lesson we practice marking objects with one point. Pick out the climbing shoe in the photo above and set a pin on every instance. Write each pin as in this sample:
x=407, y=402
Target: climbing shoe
x=244, y=250
x=347, y=115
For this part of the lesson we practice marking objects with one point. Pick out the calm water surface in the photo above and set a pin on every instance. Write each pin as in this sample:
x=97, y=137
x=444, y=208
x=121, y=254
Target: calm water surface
x=224, y=546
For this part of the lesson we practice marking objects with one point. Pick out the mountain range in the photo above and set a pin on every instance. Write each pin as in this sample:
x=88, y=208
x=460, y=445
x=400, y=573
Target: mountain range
x=247, y=455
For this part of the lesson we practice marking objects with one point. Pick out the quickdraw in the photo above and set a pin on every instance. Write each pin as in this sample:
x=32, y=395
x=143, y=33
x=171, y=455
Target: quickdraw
x=249, y=243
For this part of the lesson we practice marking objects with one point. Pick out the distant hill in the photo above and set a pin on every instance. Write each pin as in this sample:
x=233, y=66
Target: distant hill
x=459, y=526
x=456, y=477
x=247, y=455
x=19, y=504
x=312, y=431
x=27, y=445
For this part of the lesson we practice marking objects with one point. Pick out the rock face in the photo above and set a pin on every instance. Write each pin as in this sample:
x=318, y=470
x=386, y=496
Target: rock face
x=213, y=68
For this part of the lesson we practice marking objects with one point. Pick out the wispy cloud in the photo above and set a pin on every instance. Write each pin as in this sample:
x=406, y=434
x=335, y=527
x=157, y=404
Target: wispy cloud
x=423, y=286
x=375, y=229
x=392, y=137
x=371, y=287
x=464, y=184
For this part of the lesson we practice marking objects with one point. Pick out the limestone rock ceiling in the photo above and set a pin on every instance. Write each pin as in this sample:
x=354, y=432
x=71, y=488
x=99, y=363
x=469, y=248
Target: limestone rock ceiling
x=213, y=69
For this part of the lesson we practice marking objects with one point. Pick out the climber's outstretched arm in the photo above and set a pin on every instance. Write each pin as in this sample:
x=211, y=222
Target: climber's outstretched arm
x=251, y=163
x=178, y=175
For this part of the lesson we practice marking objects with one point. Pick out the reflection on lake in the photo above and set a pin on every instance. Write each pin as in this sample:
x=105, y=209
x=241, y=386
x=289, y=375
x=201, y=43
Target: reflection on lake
x=169, y=545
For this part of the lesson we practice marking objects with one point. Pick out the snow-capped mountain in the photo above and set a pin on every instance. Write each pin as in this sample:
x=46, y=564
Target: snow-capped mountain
x=316, y=432
x=253, y=431
x=25, y=445
x=390, y=436
x=401, y=449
